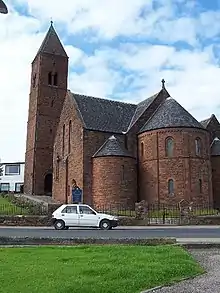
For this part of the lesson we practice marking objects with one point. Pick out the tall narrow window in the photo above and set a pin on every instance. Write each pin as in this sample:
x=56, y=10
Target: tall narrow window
x=34, y=80
x=122, y=172
x=170, y=186
x=55, y=79
x=63, y=140
x=142, y=149
x=198, y=146
x=50, y=78
x=57, y=170
x=200, y=185
x=69, y=138
x=169, y=145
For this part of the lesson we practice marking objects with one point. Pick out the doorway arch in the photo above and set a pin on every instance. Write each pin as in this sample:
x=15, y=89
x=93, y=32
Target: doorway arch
x=48, y=183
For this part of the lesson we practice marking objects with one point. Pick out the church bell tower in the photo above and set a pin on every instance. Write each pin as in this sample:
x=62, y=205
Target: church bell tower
x=47, y=93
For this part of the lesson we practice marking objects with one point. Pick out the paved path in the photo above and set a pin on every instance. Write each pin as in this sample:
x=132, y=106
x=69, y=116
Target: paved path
x=183, y=233
x=208, y=283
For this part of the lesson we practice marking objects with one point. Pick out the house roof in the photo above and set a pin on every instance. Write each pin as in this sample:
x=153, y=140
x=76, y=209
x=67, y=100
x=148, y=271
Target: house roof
x=215, y=147
x=112, y=147
x=52, y=44
x=170, y=114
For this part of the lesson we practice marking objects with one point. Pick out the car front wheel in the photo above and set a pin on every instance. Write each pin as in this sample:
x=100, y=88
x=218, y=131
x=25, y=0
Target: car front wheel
x=105, y=225
x=59, y=225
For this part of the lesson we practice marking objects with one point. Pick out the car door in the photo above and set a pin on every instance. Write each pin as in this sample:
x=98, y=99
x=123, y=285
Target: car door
x=87, y=217
x=70, y=216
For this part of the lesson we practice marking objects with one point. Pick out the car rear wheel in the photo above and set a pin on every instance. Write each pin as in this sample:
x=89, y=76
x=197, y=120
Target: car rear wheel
x=59, y=225
x=105, y=225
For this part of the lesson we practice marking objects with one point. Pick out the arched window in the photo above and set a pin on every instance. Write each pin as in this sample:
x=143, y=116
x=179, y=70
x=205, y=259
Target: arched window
x=63, y=140
x=198, y=146
x=170, y=186
x=55, y=79
x=169, y=146
x=69, y=138
x=122, y=172
x=50, y=78
x=34, y=80
x=142, y=149
x=200, y=185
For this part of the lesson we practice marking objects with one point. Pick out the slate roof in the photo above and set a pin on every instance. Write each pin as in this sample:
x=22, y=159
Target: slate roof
x=52, y=44
x=112, y=147
x=215, y=147
x=170, y=114
x=206, y=122
x=141, y=108
x=109, y=115
x=104, y=115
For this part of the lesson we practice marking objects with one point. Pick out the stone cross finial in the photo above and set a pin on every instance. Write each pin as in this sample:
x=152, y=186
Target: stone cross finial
x=51, y=21
x=163, y=83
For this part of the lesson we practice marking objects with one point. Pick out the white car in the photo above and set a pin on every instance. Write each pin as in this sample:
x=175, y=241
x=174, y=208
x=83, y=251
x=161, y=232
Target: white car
x=81, y=215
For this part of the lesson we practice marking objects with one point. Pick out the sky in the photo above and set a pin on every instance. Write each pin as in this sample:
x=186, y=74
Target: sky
x=118, y=49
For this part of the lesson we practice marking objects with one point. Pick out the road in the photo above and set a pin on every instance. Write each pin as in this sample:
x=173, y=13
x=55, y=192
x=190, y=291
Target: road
x=117, y=233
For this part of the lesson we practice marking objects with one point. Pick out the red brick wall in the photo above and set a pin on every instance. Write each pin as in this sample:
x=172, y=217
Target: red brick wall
x=75, y=156
x=216, y=180
x=45, y=105
x=110, y=186
x=185, y=168
x=93, y=140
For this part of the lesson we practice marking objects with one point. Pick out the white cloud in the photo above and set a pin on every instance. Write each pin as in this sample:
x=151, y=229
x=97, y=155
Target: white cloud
x=131, y=70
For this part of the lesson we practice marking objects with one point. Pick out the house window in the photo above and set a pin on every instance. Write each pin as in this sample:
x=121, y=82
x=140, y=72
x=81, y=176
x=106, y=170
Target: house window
x=170, y=186
x=18, y=187
x=69, y=138
x=169, y=146
x=142, y=149
x=200, y=185
x=63, y=140
x=12, y=169
x=55, y=79
x=198, y=146
x=50, y=78
x=5, y=187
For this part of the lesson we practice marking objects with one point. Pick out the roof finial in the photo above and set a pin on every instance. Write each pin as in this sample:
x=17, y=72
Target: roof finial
x=51, y=21
x=163, y=83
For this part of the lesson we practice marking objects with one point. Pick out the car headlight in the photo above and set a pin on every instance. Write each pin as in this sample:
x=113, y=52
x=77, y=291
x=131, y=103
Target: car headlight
x=115, y=218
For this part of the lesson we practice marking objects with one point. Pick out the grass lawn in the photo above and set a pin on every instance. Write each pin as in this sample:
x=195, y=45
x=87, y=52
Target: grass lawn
x=92, y=269
x=8, y=208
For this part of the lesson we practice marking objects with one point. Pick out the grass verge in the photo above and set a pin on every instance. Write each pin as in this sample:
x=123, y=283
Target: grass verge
x=8, y=208
x=93, y=269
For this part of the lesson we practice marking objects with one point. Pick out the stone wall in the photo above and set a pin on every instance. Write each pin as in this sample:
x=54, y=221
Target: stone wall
x=114, y=182
x=45, y=105
x=68, y=152
x=184, y=167
x=124, y=221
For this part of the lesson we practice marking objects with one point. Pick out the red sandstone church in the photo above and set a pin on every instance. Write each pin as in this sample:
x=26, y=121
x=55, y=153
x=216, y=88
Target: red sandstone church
x=117, y=153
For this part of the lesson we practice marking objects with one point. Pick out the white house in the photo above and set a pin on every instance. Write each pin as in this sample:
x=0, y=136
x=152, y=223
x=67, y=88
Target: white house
x=12, y=178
